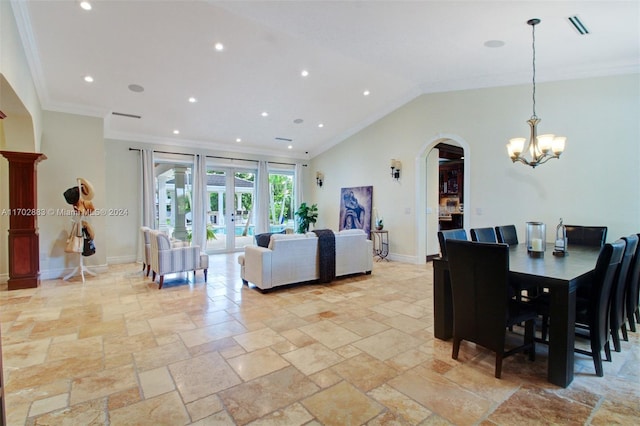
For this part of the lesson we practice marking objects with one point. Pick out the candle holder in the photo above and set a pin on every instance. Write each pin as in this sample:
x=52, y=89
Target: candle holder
x=536, y=239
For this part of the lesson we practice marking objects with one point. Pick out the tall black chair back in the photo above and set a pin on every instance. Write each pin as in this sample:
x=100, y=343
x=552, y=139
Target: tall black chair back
x=507, y=234
x=482, y=308
x=618, y=308
x=594, y=236
x=484, y=235
x=451, y=234
x=593, y=313
x=632, y=295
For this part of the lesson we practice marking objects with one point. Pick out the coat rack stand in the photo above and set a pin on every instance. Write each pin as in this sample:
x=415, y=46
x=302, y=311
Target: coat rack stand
x=79, y=269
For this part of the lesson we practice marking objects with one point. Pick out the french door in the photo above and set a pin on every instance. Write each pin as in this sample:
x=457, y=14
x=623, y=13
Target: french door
x=230, y=219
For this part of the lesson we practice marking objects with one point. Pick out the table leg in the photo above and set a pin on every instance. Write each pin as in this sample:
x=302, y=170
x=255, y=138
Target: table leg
x=562, y=335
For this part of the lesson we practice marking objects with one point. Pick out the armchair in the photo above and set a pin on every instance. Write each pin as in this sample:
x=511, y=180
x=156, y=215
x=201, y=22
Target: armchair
x=168, y=259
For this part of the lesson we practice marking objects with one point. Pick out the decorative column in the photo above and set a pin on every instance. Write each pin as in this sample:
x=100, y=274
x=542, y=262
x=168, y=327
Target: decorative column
x=180, y=230
x=24, y=243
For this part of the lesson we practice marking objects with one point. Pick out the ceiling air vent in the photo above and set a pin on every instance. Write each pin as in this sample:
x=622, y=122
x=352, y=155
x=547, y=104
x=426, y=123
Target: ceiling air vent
x=122, y=114
x=578, y=25
x=284, y=139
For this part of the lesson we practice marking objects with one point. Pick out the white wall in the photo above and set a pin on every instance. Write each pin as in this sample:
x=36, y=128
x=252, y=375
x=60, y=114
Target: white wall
x=74, y=147
x=594, y=183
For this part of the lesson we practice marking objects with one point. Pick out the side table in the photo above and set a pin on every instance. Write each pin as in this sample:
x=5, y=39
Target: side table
x=380, y=240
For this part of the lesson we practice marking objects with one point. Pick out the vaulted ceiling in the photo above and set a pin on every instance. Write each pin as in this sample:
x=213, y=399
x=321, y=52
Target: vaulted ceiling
x=148, y=58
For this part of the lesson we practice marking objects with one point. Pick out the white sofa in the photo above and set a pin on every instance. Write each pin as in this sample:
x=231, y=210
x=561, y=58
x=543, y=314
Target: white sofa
x=294, y=258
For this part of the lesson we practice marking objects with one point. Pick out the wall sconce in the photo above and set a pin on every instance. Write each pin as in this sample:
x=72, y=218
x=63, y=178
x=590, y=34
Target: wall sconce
x=319, y=178
x=395, y=168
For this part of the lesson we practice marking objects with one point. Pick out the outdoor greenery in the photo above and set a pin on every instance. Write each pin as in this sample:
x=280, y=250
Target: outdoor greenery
x=306, y=216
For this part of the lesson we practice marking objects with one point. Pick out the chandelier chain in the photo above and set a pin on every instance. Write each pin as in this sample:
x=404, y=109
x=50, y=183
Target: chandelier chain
x=533, y=48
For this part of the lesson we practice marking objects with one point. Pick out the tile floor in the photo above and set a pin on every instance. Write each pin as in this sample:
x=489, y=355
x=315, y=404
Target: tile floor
x=117, y=351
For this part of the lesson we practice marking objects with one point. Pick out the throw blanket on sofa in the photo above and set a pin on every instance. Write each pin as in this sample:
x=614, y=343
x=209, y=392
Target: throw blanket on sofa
x=326, y=255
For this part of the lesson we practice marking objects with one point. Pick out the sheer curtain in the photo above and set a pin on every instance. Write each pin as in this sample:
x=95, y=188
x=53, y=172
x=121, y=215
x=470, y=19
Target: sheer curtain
x=148, y=189
x=262, y=198
x=200, y=202
x=298, y=196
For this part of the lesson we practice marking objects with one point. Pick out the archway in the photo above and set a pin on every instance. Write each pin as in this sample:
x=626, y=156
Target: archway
x=427, y=211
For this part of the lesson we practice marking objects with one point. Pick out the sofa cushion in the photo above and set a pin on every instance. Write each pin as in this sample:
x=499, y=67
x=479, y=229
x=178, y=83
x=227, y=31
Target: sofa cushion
x=352, y=232
x=285, y=237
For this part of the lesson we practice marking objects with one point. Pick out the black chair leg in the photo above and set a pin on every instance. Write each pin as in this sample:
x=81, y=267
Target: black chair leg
x=616, y=340
x=597, y=361
x=632, y=323
x=456, y=348
x=625, y=336
x=530, y=338
x=607, y=352
x=498, y=365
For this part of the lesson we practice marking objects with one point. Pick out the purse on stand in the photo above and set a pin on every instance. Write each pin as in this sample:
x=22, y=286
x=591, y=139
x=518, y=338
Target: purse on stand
x=75, y=242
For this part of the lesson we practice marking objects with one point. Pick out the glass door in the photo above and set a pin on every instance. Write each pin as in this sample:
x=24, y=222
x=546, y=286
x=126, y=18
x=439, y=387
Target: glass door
x=230, y=216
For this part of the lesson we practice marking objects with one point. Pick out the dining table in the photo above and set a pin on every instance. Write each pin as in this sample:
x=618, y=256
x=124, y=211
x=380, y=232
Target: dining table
x=560, y=275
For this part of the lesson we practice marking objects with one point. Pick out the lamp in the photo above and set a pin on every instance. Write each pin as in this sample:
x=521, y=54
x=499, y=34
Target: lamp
x=540, y=148
x=319, y=178
x=395, y=168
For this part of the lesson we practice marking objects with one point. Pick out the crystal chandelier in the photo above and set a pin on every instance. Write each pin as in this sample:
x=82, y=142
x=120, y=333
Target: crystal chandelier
x=540, y=148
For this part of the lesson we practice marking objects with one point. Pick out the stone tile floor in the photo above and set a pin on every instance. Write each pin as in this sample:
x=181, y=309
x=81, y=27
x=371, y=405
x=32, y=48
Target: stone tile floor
x=118, y=351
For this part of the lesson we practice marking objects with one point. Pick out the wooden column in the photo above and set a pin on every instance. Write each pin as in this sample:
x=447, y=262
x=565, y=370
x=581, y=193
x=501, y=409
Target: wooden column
x=24, y=246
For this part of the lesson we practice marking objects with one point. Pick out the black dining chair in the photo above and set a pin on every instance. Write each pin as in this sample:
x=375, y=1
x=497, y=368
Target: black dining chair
x=484, y=235
x=451, y=234
x=482, y=307
x=632, y=295
x=579, y=235
x=592, y=311
x=507, y=234
x=618, y=308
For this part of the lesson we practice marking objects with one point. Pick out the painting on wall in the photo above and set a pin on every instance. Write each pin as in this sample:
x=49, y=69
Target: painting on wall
x=355, y=208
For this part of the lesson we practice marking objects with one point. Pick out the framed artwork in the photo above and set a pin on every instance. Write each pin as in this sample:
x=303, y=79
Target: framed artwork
x=355, y=208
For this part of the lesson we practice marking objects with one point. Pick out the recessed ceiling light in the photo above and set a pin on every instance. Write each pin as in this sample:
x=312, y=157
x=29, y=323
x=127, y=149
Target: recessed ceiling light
x=366, y=93
x=193, y=100
x=304, y=73
x=176, y=132
x=85, y=5
x=321, y=125
x=494, y=43
x=265, y=114
x=238, y=140
x=290, y=147
x=219, y=47
x=88, y=79
x=136, y=88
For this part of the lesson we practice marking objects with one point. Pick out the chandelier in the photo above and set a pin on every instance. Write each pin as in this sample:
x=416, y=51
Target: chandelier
x=540, y=148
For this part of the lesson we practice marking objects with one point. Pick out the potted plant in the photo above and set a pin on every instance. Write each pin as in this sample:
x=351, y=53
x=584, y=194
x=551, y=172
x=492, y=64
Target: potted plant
x=306, y=216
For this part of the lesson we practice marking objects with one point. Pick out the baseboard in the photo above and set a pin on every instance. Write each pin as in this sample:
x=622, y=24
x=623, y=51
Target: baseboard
x=113, y=260
x=4, y=278
x=59, y=273
x=403, y=258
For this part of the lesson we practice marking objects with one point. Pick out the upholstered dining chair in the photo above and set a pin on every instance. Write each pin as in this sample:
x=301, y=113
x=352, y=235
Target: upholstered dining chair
x=592, y=311
x=507, y=234
x=618, y=307
x=482, y=307
x=484, y=235
x=579, y=235
x=168, y=259
x=632, y=295
x=451, y=234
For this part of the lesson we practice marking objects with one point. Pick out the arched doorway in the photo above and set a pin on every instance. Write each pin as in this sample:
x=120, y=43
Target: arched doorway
x=428, y=192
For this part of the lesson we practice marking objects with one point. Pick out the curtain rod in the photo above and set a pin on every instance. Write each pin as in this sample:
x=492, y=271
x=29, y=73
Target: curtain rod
x=223, y=158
